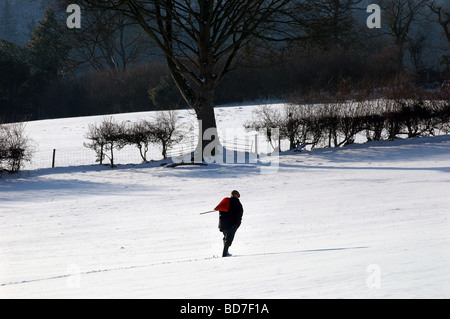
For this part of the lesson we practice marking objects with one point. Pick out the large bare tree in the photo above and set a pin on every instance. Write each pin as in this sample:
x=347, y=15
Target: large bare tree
x=202, y=41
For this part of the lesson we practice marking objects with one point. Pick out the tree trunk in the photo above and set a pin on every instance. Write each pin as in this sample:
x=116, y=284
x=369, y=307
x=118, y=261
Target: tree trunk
x=164, y=149
x=201, y=101
x=208, y=137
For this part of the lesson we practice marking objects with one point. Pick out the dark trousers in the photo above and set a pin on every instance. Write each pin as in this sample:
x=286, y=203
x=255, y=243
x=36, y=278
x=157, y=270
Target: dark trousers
x=228, y=236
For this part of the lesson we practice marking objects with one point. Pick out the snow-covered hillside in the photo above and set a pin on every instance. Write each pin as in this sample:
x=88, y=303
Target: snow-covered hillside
x=364, y=221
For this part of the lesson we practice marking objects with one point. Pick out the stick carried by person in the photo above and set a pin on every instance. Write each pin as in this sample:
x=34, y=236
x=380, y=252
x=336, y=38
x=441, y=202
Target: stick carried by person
x=211, y=211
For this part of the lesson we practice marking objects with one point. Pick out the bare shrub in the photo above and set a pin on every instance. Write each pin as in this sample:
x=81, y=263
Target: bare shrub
x=140, y=135
x=335, y=119
x=106, y=137
x=165, y=130
x=110, y=135
x=15, y=147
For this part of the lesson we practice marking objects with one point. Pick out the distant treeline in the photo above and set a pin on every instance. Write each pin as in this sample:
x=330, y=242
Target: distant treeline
x=65, y=74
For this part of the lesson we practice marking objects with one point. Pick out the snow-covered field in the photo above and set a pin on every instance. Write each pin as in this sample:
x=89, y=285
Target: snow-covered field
x=364, y=221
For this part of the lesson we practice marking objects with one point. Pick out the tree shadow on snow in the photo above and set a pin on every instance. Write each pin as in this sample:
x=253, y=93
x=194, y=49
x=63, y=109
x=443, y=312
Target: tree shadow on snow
x=34, y=189
x=26, y=185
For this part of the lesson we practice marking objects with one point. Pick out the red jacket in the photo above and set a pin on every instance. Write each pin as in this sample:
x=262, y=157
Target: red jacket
x=232, y=212
x=224, y=205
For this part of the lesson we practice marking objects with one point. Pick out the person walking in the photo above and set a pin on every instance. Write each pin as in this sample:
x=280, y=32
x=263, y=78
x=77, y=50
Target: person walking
x=229, y=221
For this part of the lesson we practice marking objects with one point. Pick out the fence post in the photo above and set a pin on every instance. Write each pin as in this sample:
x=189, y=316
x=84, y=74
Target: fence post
x=53, y=159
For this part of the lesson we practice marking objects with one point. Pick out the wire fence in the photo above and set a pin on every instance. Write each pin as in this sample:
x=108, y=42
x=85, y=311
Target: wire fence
x=79, y=157
x=48, y=158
